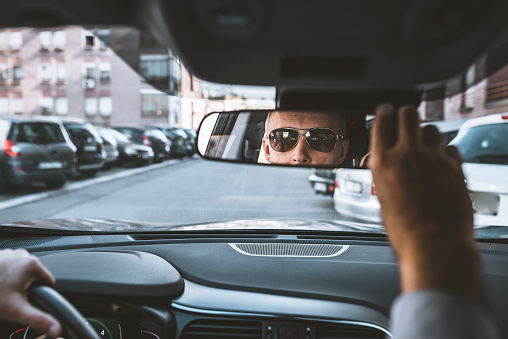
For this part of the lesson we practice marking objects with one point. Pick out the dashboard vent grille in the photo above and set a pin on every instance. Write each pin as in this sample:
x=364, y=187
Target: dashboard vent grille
x=348, y=331
x=218, y=329
x=290, y=250
x=27, y=242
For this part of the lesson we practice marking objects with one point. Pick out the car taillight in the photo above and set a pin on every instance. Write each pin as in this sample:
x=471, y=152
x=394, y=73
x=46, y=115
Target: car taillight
x=331, y=188
x=146, y=141
x=504, y=117
x=336, y=183
x=11, y=148
x=373, y=189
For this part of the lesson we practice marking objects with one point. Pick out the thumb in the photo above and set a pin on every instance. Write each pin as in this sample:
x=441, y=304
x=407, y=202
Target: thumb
x=37, y=320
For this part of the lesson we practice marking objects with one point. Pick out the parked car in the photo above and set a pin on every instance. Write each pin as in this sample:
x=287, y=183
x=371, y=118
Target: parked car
x=35, y=151
x=180, y=141
x=131, y=153
x=483, y=144
x=323, y=181
x=448, y=129
x=90, y=146
x=355, y=195
x=110, y=145
x=191, y=133
x=151, y=137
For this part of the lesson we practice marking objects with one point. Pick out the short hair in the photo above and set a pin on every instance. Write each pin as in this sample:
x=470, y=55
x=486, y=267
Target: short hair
x=341, y=117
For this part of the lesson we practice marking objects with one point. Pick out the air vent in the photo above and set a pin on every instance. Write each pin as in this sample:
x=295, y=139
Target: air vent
x=222, y=328
x=348, y=331
x=290, y=250
x=27, y=242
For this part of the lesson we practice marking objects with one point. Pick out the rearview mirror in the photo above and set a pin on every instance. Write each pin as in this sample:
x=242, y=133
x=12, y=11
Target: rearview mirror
x=301, y=138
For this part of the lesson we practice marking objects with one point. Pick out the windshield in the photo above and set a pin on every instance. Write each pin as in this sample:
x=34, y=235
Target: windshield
x=487, y=144
x=142, y=93
x=36, y=133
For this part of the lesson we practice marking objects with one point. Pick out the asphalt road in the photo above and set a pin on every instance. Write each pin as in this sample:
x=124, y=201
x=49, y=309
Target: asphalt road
x=192, y=190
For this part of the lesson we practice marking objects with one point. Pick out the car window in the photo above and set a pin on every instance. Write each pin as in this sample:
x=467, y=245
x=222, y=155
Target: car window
x=484, y=144
x=155, y=133
x=36, y=133
x=118, y=136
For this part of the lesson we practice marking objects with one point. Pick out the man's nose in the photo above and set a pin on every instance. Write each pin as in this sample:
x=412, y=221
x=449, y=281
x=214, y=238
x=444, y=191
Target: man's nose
x=300, y=153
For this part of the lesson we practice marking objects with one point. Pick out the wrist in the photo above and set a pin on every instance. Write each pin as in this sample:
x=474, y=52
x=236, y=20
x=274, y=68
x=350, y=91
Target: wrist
x=456, y=270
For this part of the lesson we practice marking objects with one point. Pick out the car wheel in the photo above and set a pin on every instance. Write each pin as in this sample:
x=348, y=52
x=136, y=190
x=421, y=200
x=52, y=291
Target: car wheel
x=55, y=183
x=88, y=174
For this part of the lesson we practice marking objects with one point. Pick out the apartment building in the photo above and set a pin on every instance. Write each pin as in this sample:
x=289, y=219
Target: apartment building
x=71, y=71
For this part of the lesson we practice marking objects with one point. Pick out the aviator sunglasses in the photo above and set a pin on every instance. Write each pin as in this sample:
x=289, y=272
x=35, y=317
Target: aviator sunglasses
x=319, y=139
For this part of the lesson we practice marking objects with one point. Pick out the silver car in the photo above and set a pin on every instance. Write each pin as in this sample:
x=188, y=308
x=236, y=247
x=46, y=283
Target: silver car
x=355, y=195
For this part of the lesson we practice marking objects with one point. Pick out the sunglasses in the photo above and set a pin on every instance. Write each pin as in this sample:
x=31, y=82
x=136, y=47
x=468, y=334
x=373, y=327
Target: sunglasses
x=319, y=139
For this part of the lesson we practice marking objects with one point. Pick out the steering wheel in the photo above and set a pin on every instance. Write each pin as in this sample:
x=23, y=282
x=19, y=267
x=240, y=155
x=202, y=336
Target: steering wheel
x=52, y=302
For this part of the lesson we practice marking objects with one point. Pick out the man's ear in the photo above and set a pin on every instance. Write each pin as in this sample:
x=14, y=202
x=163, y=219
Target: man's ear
x=344, y=148
x=266, y=149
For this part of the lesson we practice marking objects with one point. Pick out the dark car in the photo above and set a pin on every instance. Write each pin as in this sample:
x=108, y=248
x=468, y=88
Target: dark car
x=35, y=151
x=131, y=153
x=150, y=137
x=110, y=145
x=180, y=141
x=191, y=133
x=91, y=153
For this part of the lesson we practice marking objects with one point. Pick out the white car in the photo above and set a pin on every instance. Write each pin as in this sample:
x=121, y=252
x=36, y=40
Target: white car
x=355, y=195
x=483, y=144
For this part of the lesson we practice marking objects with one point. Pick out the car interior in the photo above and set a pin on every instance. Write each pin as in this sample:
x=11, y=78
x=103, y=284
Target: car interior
x=246, y=279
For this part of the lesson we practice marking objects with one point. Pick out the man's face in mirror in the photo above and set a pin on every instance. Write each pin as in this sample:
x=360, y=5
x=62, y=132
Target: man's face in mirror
x=305, y=138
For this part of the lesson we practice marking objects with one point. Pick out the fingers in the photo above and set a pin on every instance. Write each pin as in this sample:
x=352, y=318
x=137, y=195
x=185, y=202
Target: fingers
x=41, y=273
x=36, y=319
x=454, y=154
x=384, y=130
x=409, y=126
x=431, y=136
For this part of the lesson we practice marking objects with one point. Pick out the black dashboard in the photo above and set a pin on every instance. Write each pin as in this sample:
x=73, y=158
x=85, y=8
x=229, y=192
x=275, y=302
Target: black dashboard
x=198, y=285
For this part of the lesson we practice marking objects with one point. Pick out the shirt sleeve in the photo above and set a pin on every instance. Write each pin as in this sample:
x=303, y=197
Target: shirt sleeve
x=429, y=314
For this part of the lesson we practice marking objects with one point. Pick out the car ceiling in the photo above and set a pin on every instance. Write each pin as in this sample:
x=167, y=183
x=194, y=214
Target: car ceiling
x=360, y=44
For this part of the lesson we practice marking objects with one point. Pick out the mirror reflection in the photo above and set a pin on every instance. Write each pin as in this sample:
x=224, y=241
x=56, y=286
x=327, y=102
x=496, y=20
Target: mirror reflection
x=295, y=138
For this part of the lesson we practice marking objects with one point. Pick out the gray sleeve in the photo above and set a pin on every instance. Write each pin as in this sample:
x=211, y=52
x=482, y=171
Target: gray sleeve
x=429, y=314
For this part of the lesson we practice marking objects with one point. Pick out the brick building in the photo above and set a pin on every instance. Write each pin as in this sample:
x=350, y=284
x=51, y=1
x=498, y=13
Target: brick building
x=473, y=94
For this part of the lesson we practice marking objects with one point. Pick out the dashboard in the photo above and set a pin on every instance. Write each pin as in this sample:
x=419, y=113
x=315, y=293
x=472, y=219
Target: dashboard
x=204, y=286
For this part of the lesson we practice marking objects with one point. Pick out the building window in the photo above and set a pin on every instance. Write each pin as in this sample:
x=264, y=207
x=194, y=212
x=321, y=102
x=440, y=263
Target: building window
x=105, y=106
x=104, y=37
x=3, y=41
x=91, y=106
x=61, y=106
x=18, y=105
x=61, y=72
x=105, y=72
x=4, y=74
x=46, y=105
x=154, y=67
x=45, y=72
x=4, y=105
x=154, y=105
x=16, y=40
x=17, y=74
x=59, y=40
x=90, y=70
x=89, y=39
x=45, y=40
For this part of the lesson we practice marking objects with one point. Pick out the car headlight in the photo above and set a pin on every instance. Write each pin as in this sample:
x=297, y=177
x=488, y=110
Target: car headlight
x=130, y=151
x=167, y=148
